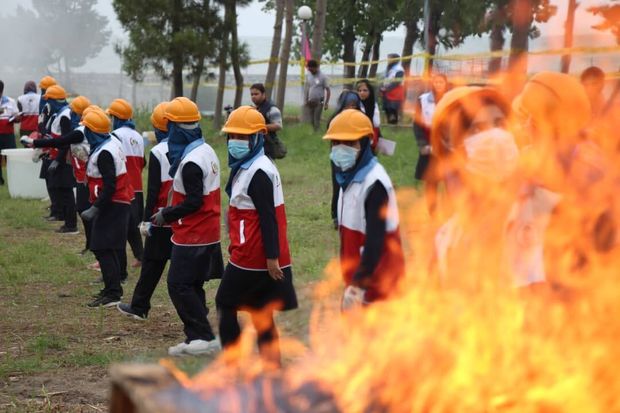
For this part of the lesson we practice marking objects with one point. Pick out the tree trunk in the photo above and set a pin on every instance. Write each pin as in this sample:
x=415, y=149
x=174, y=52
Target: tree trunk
x=234, y=51
x=197, y=75
x=362, y=72
x=497, y=44
x=177, y=54
x=411, y=37
x=221, y=82
x=284, y=56
x=275, y=49
x=348, y=56
x=376, y=48
x=568, y=34
x=318, y=31
x=519, y=43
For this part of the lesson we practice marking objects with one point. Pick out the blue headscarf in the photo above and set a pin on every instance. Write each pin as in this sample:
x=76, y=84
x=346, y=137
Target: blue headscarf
x=256, y=143
x=94, y=139
x=363, y=165
x=119, y=123
x=179, y=137
x=75, y=119
x=160, y=135
x=56, y=105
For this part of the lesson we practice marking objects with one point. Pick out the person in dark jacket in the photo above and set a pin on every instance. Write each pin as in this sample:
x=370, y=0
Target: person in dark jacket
x=274, y=147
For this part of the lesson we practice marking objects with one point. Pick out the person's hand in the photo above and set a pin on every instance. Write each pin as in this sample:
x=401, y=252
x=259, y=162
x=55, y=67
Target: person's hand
x=37, y=155
x=145, y=229
x=53, y=166
x=90, y=214
x=425, y=150
x=353, y=297
x=158, y=218
x=26, y=141
x=273, y=267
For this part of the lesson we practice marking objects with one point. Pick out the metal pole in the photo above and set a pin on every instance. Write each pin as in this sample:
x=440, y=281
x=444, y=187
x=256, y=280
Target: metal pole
x=302, y=59
x=427, y=36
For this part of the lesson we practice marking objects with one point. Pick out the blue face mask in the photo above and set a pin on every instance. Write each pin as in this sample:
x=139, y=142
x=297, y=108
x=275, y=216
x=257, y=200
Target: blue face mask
x=238, y=149
x=344, y=156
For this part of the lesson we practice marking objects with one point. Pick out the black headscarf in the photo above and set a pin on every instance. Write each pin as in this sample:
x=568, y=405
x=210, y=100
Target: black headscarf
x=370, y=102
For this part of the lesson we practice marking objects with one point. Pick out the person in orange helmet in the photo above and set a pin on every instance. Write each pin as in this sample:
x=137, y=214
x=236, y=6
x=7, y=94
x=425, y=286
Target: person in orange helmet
x=194, y=215
x=110, y=196
x=124, y=129
x=259, y=276
x=157, y=244
x=371, y=255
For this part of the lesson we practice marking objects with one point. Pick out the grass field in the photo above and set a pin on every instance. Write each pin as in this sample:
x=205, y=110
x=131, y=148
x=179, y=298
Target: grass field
x=55, y=352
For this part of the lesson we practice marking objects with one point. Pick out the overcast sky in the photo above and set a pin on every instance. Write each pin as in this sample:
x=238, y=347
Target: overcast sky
x=254, y=22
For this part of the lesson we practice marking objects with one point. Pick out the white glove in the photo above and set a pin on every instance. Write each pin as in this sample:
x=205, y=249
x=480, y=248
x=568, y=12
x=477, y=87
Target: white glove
x=353, y=297
x=36, y=155
x=145, y=229
x=26, y=140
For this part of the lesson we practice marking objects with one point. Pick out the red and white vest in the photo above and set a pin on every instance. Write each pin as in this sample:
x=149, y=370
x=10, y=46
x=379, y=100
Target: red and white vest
x=30, y=110
x=133, y=146
x=79, y=166
x=9, y=110
x=203, y=226
x=427, y=105
x=246, y=243
x=55, y=130
x=352, y=221
x=398, y=92
x=160, y=152
x=123, y=193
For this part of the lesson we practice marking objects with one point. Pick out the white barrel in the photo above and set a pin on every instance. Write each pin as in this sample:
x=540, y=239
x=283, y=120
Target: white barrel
x=23, y=174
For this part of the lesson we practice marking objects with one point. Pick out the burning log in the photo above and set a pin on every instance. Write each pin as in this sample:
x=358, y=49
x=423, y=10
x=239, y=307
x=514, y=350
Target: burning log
x=152, y=388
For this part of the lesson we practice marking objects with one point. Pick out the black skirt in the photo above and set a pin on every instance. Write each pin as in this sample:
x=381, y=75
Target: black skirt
x=109, y=229
x=253, y=290
x=157, y=246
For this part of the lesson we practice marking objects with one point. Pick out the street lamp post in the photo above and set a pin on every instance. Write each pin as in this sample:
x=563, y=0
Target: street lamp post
x=304, y=13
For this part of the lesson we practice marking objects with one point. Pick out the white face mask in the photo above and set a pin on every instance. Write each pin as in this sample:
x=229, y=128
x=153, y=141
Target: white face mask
x=492, y=154
x=344, y=156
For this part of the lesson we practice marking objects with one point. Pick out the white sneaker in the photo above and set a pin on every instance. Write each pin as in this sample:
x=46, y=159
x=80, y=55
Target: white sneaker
x=196, y=347
x=177, y=350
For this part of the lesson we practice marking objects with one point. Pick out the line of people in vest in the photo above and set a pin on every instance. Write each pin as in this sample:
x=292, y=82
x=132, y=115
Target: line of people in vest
x=181, y=220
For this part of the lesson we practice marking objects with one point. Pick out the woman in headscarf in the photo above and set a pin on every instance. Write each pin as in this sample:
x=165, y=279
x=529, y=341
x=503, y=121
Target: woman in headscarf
x=194, y=216
x=258, y=277
x=366, y=92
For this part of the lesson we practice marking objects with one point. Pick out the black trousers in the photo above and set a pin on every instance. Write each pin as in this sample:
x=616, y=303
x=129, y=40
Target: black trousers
x=335, y=192
x=133, y=231
x=65, y=202
x=110, y=271
x=82, y=203
x=189, y=269
x=157, y=248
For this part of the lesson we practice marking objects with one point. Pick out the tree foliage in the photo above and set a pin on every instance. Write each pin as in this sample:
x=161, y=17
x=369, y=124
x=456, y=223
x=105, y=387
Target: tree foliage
x=611, y=18
x=67, y=33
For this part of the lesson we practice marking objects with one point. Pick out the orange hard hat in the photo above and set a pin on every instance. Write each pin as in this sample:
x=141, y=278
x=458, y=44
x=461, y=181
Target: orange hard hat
x=158, y=118
x=55, y=92
x=182, y=110
x=97, y=121
x=349, y=125
x=79, y=104
x=245, y=120
x=46, y=81
x=120, y=108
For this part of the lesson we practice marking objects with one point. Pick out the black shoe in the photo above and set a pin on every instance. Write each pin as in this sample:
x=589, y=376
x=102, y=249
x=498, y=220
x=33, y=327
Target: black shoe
x=124, y=280
x=130, y=312
x=52, y=218
x=104, y=301
x=98, y=295
x=67, y=230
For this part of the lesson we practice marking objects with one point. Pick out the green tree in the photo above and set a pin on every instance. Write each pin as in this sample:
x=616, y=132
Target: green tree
x=167, y=36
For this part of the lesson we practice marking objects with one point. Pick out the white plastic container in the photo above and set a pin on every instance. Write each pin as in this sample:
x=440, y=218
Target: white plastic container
x=23, y=174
